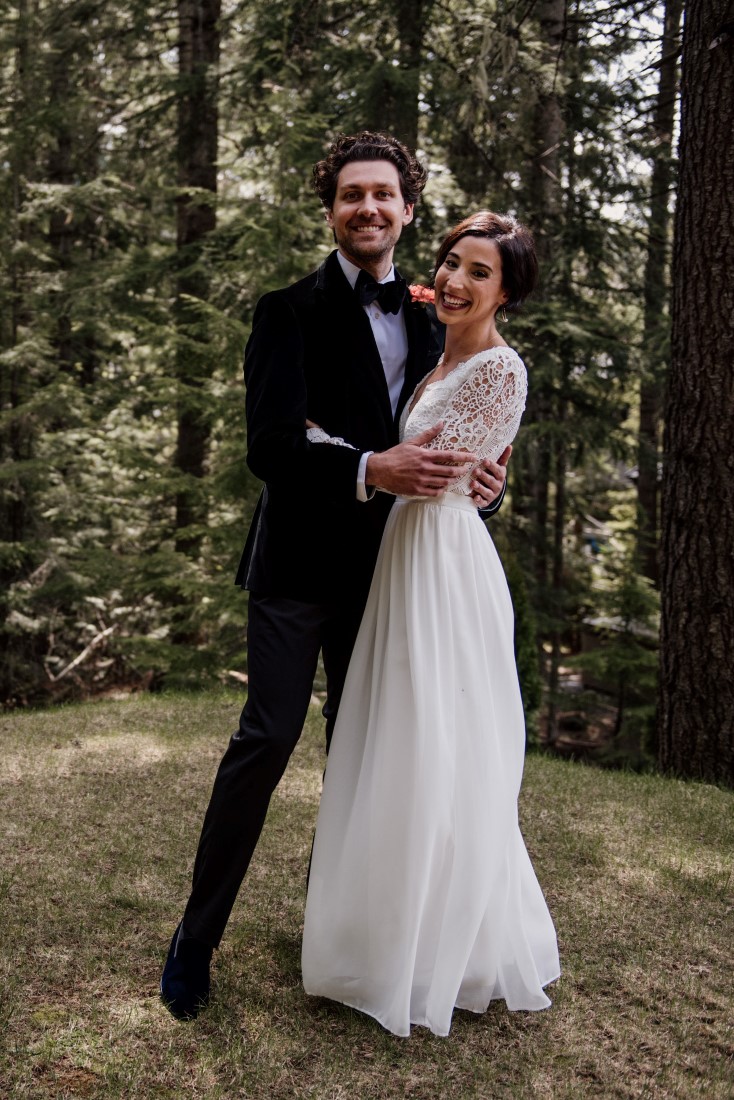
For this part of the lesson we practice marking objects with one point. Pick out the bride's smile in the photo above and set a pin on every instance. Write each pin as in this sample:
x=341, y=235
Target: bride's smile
x=469, y=283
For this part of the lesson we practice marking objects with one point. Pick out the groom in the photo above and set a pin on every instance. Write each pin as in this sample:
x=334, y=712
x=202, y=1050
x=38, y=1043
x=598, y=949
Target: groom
x=344, y=348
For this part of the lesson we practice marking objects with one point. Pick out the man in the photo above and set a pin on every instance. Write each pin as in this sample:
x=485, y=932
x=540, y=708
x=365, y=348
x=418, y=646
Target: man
x=333, y=350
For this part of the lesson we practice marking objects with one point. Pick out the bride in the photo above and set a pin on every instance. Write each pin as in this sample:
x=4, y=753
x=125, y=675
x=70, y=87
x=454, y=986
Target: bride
x=422, y=897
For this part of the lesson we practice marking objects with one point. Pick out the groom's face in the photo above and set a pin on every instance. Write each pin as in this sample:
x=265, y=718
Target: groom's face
x=369, y=212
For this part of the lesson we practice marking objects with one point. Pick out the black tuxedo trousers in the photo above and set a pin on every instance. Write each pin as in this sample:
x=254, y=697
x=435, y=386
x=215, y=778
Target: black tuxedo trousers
x=284, y=639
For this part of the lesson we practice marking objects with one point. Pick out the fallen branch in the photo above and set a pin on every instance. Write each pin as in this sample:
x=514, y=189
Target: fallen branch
x=82, y=656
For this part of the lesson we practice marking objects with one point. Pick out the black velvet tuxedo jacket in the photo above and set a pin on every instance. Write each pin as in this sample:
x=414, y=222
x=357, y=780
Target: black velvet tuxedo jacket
x=312, y=355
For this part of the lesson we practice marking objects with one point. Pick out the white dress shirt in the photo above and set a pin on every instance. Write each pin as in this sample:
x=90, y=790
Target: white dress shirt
x=391, y=338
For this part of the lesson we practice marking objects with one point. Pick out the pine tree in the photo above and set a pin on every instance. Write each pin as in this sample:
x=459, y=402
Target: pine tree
x=198, y=52
x=696, y=716
x=656, y=344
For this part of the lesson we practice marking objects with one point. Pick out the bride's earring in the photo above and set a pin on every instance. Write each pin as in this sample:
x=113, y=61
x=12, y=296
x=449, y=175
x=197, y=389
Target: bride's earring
x=503, y=315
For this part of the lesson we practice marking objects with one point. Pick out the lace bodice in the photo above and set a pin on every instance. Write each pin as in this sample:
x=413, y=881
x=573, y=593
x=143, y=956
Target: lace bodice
x=481, y=403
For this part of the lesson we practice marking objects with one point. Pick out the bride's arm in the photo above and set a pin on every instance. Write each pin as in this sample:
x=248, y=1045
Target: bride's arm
x=315, y=434
x=484, y=413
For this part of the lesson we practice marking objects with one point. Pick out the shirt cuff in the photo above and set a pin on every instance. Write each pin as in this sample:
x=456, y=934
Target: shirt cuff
x=490, y=509
x=362, y=493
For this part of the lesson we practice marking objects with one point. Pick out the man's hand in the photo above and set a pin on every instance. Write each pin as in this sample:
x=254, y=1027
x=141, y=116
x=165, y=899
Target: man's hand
x=413, y=470
x=489, y=477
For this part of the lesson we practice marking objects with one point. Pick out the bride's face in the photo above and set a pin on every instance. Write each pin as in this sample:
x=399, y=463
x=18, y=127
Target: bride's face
x=469, y=282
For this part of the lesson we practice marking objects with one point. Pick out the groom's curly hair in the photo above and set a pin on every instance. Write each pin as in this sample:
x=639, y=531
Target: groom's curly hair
x=368, y=145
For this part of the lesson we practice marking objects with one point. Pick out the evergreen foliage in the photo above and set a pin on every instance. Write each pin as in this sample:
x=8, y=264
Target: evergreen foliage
x=118, y=332
x=624, y=626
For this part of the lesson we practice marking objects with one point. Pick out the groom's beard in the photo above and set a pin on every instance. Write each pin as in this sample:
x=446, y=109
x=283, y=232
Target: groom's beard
x=363, y=248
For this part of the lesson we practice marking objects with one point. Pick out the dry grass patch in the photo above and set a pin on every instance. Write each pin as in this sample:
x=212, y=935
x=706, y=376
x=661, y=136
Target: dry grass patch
x=102, y=806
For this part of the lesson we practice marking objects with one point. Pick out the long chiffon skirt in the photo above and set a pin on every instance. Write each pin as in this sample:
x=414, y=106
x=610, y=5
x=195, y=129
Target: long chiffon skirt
x=422, y=897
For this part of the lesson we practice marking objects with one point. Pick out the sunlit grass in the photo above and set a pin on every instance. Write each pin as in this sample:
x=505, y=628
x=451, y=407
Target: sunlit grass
x=102, y=806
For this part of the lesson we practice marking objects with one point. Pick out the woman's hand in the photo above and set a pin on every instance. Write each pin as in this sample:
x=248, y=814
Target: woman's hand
x=411, y=469
x=489, y=477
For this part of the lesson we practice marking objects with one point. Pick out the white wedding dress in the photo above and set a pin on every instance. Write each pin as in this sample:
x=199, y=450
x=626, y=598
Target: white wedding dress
x=421, y=896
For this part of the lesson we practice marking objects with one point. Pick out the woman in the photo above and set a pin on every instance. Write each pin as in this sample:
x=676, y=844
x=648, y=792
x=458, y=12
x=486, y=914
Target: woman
x=421, y=894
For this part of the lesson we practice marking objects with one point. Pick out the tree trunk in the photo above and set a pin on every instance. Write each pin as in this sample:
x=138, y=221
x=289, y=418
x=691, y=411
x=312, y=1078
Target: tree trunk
x=62, y=229
x=19, y=506
x=546, y=218
x=549, y=129
x=556, y=592
x=696, y=712
x=16, y=439
x=394, y=106
x=197, y=169
x=411, y=20
x=656, y=293
x=393, y=103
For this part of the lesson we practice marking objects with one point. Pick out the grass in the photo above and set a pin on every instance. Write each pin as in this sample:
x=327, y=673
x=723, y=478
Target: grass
x=102, y=805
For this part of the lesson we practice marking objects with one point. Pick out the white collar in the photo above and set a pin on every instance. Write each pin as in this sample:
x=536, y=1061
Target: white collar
x=352, y=271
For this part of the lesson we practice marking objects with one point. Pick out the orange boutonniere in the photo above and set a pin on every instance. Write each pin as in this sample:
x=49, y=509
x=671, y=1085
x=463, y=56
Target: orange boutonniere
x=420, y=293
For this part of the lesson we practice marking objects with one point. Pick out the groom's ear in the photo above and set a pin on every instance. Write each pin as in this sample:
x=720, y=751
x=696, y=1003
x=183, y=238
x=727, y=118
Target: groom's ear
x=329, y=219
x=408, y=213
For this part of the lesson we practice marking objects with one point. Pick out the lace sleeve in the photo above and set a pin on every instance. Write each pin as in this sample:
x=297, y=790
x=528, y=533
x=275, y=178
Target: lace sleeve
x=318, y=435
x=484, y=413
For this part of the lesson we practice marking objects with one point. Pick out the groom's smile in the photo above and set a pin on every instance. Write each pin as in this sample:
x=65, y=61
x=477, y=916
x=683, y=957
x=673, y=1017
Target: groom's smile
x=369, y=213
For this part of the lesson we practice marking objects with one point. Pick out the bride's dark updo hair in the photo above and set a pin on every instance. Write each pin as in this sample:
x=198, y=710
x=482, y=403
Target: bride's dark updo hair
x=516, y=248
x=368, y=145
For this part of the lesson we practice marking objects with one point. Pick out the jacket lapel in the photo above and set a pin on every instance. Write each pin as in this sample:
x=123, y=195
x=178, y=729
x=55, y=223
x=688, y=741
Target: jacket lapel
x=352, y=328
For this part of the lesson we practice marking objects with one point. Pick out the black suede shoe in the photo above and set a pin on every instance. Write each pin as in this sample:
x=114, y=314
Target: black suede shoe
x=185, y=980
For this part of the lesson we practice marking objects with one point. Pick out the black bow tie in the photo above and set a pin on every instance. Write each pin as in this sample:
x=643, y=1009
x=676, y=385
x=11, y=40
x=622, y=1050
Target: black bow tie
x=389, y=295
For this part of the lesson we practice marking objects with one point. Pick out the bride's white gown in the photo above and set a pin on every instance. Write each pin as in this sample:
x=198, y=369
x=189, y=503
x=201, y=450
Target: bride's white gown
x=421, y=896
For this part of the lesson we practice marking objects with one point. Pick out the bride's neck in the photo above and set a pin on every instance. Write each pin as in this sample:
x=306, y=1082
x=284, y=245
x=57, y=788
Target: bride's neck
x=462, y=344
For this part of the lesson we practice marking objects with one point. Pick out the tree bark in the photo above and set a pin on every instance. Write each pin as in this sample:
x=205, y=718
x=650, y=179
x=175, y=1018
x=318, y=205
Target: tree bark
x=73, y=158
x=548, y=131
x=196, y=218
x=556, y=591
x=411, y=20
x=546, y=219
x=16, y=438
x=61, y=230
x=696, y=712
x=656, y=295
x=393, y=104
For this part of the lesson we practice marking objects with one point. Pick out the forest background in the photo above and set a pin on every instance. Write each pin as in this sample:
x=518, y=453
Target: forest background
x=155, y=163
